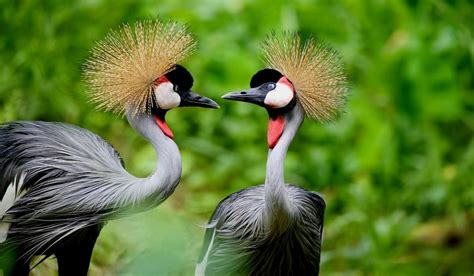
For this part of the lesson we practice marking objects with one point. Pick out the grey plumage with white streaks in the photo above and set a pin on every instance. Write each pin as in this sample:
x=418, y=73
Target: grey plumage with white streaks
x=71, y=178
x=240, y=243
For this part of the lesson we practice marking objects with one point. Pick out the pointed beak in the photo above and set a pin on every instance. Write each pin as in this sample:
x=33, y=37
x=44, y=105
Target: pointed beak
x=193, y=99
x=253, y=95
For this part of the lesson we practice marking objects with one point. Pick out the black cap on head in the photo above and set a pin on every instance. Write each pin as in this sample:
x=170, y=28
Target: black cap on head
x=180, y=77
x=265, y=75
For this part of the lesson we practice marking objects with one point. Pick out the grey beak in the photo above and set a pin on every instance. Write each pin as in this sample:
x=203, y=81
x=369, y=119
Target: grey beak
x=253, y=95
x=193, y=99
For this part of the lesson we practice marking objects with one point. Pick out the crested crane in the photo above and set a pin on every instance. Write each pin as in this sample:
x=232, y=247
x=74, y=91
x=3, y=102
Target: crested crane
x=60, y=183
x=276, y=228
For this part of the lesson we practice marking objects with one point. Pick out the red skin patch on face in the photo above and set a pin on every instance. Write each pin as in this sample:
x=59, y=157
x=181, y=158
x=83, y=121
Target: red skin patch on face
x=284, y=80
x=161, y=79
x=275, y=130
x=164, y=127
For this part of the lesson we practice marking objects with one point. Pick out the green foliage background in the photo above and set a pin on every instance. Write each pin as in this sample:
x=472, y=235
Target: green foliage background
x=396, y=169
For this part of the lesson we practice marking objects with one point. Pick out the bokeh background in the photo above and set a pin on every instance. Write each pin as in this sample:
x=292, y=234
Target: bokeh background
x=396, y=169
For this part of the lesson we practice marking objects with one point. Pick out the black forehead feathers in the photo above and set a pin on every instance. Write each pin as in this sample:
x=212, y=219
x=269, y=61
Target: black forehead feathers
x=265, y=75
x=181, y=77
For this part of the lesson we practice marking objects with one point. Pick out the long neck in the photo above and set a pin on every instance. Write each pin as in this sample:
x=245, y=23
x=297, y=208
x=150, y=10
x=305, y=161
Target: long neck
x=155, y=188
x=277, y=204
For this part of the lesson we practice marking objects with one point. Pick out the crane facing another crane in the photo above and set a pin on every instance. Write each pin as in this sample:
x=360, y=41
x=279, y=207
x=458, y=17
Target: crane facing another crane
x=60, y=183
x=277, y=228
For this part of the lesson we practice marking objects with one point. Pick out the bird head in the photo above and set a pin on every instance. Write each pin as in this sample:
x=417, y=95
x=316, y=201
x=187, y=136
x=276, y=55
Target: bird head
x=135, y=71
x=270, y=89
x=174, y=90
x=308, y=75
x=273, y=91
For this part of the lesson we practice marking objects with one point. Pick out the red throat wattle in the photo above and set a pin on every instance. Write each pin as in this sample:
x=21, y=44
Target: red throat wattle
x=275, y=130
x=164, y=127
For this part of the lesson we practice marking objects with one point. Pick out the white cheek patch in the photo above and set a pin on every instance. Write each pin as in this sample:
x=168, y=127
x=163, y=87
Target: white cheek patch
x=279, y=97
x=166, y=98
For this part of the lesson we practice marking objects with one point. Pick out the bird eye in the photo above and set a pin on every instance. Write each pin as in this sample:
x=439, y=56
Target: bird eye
x=271, y=86
x=175, y=88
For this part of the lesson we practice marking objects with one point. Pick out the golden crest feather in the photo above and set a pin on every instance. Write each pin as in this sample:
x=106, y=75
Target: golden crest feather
x=123, y=66
x=315, y=70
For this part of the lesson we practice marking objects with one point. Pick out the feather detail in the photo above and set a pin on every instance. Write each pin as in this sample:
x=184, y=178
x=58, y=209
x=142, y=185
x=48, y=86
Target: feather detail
x=123, y=66
x=315, y=70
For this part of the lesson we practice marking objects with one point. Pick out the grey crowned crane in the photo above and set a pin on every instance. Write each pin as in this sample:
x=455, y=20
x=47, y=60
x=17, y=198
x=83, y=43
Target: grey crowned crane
x=276, y=228
x=60, y=183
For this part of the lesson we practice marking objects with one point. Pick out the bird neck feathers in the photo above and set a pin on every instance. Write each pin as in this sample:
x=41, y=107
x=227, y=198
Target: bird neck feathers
x=278, y=206
x=162, y=182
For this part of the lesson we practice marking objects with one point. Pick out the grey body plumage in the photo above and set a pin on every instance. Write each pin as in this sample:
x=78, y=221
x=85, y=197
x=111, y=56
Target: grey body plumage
x=242, y=245
x=73, y=179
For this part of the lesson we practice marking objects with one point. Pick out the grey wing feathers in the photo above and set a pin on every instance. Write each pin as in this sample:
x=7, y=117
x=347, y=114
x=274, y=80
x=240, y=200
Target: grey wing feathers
x=235, y=239
x=43, y=150
x=211, y=226
x=213, y=221
x=63, y=169
x=320, y=206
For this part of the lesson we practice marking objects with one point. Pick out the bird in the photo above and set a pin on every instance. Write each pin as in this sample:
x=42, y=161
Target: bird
x=60, y=183
x=277, y=228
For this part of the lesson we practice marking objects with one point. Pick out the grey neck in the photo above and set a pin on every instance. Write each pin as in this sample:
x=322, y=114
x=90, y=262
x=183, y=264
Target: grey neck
x=155, y=188
x=277, y=203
